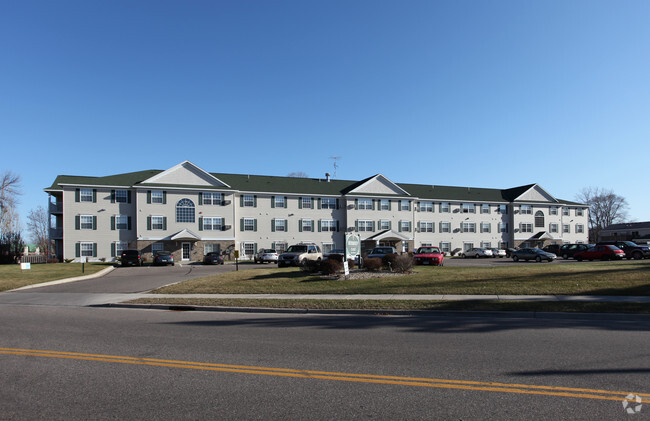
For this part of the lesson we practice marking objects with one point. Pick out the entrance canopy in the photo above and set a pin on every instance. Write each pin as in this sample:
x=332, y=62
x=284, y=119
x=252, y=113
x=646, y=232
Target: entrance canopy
x=185, y=235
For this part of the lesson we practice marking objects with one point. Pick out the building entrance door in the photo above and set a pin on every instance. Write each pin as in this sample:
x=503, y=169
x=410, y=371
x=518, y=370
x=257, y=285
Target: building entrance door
x=186, y=250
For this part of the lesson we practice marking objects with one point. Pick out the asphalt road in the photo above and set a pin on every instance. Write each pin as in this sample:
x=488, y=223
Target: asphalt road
x=77, y=363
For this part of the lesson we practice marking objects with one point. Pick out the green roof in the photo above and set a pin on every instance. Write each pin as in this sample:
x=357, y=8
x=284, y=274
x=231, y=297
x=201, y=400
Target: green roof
x=298, y=185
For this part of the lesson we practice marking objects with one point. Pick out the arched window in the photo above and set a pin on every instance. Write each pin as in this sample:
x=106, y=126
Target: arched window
x=539, y=219
x=185, y=211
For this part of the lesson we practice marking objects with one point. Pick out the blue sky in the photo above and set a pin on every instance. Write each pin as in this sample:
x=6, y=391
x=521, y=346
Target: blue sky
x=468, y=93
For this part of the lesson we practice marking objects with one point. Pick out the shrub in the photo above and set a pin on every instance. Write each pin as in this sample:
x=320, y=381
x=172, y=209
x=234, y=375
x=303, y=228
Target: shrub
x=403, y=263
x=350, y=263
x=372, y=264
x=330, y=266
x=388, y=261
x=336, y=256
x=310, y=266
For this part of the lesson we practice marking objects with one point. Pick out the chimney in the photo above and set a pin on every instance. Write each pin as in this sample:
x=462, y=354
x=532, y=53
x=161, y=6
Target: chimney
x=327, y=176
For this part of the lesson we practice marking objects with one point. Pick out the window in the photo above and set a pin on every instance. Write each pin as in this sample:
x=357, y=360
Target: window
x=211, y=248
x=486, y=227
x=249, y=224
x=212, y=198
x=305, y=202
x=86, y=222
x=526, y=209
x=279, y=225
x=185, y=211
x=121, y=222
x=86, y=195
x=552, y=210
x=468, y=208
x=328, y=203
x=278, y=202
x=157, y=247
x=426, y=226
x=539, y=219
x=211, y=223
x=486, y=244
x=525, y=227
x=120, y=246
x=364, y=204
x=279, y=246
x=365, y=226
x=565, y=211
x=503, y=209
x=384, y=224
x=157, y=196
x=384, y=205
x=426, y=206
x=405, y=226
x=157, y=222
x=87, y=249
x=485, y=208
x=503, y=245
x=444, y=207
x=249, y=249
x=503, y=227
x=306, y=225
x=553, y=227
x=468, y=227
x=580, y=228
x=405, y=205
x=248, y=201
x=579, y=212
x=328, y=247
x=445, y=227
x=328, y=225
x=445, y=247
x=121, y=196
x=566, y=228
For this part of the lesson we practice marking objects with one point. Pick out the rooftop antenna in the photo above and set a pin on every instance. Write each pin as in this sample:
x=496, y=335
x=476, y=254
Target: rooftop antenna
x=335, y=158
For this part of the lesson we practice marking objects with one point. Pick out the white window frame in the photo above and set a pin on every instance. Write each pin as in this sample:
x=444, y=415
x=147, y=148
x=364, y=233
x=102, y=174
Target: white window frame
x=280, y=246
x=445, y=207
x=279, y=201
x=552, y=210
x=565, y=211
x=120, y=246
x=121, y=196
x=249, y=201
x=384, y=204
x=404, y=205
x=580, y=229
x=503, y=227
x=210, y=248
x=384, y=224
x=468, y=208
x=212, y=223
x=212, y=198
x=328, y=203
x=249, y=224
x=85, y=222
x=526, y=227
x=157, y=247
x=445, y=246
x=157, y=197
x=553, y=227
x=468, y=227
x=503, y=209
x=526, y=209
x=85, y=195
x=306, y=225
x=485, y=208
x=157, y=222
x=486, y=227
x=579, y=212
x=426, y=206
x=248, y=248
x=426, y=226
x=280, y=225
x=405, y=226
x=445, y=227
x=306, y=202
x=566, y=229
x=364, y=204
x=486, y=244
x=328, y=225
x=121, y=222
x=364, y=225
x=86, y=249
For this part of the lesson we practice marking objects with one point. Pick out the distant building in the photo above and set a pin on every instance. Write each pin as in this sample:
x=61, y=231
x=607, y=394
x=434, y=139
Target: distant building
x=639, y=232
x=190, y=212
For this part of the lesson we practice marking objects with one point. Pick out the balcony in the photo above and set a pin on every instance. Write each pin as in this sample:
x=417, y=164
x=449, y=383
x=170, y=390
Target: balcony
x=56, y=207
x=56, y=233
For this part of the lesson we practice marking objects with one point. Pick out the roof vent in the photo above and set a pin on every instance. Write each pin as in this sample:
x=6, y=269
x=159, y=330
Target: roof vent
x=327, y=176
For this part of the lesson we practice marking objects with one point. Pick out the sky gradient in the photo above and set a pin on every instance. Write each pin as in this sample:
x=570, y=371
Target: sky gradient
x=491, y=94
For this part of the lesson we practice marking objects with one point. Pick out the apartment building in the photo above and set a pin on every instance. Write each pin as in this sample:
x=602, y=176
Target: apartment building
x=190, y=212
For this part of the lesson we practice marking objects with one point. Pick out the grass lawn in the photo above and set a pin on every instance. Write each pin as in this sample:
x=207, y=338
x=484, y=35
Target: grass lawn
x=598, y=278
x=11, y=276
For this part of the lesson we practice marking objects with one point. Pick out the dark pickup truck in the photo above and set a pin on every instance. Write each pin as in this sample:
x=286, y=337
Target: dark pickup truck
x=632, y=250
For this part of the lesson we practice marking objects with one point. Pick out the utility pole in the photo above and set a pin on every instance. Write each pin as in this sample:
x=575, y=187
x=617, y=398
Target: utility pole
x=335, y=158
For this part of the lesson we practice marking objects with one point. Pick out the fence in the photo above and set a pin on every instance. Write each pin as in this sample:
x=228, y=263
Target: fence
x=33, y=258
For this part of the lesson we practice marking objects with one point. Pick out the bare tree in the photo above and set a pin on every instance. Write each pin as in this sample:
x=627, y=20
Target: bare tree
x=606, y=208
x=38, y=227
x=298, y=174
x=9, y=192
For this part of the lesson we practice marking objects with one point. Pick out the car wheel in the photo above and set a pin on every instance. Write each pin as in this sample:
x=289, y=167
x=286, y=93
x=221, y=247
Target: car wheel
x=538, y=259
x=476, y=256
x=515, y=258
x=637, y=255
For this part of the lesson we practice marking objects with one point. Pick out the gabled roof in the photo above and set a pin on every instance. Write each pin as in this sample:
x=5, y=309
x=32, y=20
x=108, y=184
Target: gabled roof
x=376, y=185
x=186, y=173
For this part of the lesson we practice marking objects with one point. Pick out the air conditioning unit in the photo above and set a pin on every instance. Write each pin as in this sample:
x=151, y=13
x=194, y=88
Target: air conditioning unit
x=225, y=203
x=226, y=227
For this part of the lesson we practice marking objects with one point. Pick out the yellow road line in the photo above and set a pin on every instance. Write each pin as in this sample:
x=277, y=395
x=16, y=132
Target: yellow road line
x=349, y=377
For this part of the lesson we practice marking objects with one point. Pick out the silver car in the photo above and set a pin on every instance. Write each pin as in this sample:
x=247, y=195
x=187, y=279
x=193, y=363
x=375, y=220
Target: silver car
x=477, y=252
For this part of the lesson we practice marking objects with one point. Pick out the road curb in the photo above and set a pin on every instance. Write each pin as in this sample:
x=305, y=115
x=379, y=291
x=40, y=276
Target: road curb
x=66, y=280
x=351, y=312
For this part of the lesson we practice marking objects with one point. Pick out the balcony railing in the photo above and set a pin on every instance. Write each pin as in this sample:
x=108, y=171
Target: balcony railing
x=56, y=233
x=56, y=207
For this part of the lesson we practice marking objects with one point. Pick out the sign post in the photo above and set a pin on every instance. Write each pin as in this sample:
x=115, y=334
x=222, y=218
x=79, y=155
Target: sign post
x=236, y=260
x=352, y=246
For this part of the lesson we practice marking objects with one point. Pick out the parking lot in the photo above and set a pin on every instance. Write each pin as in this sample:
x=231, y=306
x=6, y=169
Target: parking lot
x=497, y=262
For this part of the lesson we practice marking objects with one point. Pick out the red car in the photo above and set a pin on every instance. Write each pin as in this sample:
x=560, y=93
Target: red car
x=600, y=252
x=429, y=256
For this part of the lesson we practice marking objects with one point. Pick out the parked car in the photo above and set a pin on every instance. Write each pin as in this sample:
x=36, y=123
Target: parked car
x=552, y=248
x=603, y=252
x=131, y=258
x=161, y=258
x=509, y=252
x=380, y=252
x=298, y=254
x=429, y=256
x=500, y=253
x=477, y=252
x=532, y=254
x=266, y=256
x=632, y=250
x=213, y=258
x=568, y=250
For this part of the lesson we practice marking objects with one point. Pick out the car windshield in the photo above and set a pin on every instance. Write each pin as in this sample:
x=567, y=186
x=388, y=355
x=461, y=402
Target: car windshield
x=384, y=250
x=213, y=254
x=297, y=249
x=163, y=253
x=630, y=243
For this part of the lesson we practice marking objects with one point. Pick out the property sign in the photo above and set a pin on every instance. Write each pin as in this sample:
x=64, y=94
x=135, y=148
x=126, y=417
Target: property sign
x=25, y=266
x=352, y=245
